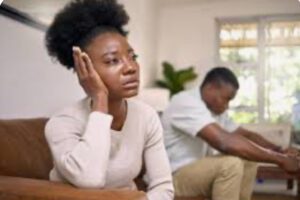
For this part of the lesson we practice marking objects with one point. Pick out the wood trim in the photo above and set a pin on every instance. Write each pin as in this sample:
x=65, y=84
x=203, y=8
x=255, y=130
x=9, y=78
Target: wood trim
x=21, y=17
x=270, y=172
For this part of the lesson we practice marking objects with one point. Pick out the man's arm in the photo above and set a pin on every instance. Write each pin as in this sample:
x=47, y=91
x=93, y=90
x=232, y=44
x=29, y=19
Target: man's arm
x=240, y=146
x=261, y=141
x=257, y=139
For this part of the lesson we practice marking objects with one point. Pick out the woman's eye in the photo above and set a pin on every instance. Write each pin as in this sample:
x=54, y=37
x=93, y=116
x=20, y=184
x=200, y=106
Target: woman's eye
x=134, y=56
x=114, y=61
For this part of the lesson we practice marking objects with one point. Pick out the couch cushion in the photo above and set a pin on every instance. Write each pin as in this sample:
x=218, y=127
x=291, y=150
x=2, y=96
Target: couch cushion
x=23, y=148
x=279, y=134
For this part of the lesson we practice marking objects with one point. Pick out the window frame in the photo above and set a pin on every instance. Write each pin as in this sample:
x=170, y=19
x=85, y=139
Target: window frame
x=260, y=65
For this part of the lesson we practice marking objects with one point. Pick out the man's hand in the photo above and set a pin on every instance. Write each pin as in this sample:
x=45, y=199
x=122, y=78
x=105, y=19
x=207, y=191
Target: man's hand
x=90, y=80
x=290, y=151
x=291, y=165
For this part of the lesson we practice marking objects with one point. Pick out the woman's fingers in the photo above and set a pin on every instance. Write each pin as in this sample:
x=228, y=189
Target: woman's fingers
x=88, y=63
x=89, y=79
x=79, y=63
x=92, y=72
x=76, y=61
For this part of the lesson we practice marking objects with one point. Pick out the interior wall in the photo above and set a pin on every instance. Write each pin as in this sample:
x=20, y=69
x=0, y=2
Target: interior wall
x=187, y=30
x=31, y=85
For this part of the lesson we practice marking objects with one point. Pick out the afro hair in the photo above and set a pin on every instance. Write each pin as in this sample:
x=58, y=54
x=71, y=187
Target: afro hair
x=79, y=22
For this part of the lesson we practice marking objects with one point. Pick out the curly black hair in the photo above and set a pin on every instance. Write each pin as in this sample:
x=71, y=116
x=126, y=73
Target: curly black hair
x=79, y=22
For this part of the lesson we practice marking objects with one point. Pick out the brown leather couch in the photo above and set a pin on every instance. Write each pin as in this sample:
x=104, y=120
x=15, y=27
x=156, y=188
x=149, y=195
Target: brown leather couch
x=25, y=162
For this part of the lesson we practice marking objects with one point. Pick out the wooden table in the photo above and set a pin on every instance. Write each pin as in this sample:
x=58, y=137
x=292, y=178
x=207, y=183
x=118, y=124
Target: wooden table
x=274, y=172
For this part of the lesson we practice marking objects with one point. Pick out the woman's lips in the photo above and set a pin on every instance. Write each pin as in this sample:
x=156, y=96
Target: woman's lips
x=131, y=85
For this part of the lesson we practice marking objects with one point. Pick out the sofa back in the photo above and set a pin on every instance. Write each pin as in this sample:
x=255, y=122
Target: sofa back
x=23, y=148
x=279, y=134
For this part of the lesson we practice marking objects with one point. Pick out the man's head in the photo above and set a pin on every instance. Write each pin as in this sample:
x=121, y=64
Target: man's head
x=218, y=88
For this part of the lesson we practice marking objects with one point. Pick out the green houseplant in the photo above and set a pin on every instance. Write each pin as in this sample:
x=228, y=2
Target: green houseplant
x=174, y=80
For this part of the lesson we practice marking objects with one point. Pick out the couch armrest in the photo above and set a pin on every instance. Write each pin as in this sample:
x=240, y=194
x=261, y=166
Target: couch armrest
x=15, y=188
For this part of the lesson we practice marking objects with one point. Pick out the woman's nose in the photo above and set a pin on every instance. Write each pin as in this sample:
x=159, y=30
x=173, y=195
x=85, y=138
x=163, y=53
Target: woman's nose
x=129, y=67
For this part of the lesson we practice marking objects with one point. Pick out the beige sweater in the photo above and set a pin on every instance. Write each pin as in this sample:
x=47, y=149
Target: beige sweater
x=88, y=154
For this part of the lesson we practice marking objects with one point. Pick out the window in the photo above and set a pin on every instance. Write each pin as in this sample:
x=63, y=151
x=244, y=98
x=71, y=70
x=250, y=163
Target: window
x=264, y=52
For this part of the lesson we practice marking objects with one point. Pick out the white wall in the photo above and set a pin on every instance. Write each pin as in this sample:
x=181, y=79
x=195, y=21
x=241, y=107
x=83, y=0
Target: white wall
x=187, y=30
x=30, y=84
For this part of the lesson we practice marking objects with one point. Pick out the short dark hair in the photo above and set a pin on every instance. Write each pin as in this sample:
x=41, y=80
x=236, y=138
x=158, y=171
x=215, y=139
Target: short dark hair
x=81, y=21
x=219, y=75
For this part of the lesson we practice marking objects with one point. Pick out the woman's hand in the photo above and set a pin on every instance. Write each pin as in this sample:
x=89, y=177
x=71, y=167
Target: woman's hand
x=90, y=80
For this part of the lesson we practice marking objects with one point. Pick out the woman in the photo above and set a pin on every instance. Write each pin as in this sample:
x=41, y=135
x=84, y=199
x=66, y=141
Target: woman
x=102, y=140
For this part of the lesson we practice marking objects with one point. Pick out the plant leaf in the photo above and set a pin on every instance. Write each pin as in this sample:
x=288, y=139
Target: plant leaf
x=162, y=84
x=186, y=75
x=175, y=80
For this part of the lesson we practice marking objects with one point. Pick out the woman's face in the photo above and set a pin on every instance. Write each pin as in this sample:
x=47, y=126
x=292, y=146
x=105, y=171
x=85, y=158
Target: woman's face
x=115, y=62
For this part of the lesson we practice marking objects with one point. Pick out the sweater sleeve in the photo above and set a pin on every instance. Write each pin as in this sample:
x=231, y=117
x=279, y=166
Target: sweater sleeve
x=158, y=170
x=80, y=149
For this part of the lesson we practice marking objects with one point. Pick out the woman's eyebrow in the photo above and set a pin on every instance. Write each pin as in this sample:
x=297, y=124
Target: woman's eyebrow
x=114, y=52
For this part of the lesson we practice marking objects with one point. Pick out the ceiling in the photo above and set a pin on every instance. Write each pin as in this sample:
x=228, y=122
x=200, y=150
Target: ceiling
x=44, y=10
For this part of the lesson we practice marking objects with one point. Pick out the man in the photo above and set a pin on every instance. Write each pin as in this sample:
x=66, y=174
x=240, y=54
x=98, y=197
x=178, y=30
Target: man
x=195, y=120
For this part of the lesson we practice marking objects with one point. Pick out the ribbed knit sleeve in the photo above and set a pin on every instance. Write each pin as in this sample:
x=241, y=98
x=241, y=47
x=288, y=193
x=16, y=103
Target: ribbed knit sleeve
x=80, y=150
